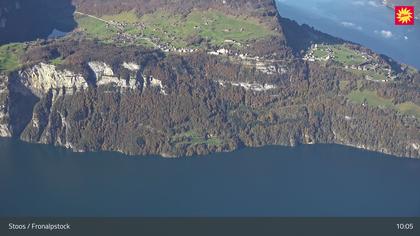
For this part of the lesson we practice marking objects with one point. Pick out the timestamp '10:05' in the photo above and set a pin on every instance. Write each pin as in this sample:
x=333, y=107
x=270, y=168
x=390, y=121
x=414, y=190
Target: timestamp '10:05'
x=405, y=226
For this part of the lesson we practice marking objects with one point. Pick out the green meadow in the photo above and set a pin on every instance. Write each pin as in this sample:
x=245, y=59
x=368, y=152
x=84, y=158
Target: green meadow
x=193, y=138
x=95, y=28
x=372, y=99
x=10, y=56
x=177, y=30
x=409, y=108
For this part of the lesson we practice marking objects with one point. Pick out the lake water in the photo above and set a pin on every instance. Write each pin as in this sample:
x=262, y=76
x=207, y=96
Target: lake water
x=55, y=33
x=32, y=20
x=366, y=22
x=318, y=180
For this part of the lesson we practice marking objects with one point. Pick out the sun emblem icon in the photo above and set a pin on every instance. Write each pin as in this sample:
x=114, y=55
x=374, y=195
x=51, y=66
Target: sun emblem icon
x=404, y=15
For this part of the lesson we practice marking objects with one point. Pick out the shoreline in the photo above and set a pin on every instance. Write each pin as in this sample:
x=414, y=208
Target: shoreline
x=169, y=156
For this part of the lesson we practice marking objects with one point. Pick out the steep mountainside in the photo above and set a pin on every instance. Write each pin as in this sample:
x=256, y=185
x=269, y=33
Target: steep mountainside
x=181, y=78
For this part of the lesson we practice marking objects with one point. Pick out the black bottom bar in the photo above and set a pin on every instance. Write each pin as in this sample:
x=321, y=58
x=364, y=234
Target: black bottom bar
x=210, y=226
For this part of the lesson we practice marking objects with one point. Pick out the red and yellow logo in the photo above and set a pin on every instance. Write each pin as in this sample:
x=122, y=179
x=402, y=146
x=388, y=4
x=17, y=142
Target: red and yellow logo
x=404, y=15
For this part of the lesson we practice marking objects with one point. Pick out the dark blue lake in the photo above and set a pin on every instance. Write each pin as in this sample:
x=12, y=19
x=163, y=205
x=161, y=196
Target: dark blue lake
x=319, y=180
x=366, y=22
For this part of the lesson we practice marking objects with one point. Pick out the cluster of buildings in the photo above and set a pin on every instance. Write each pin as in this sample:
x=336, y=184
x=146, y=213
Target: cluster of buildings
x=264, y=65
x=261, y=64
x=370, y=64
x=310, y=56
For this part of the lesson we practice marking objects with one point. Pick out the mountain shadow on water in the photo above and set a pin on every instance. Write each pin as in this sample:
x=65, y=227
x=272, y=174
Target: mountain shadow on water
x=301, y=37
x=25, y=20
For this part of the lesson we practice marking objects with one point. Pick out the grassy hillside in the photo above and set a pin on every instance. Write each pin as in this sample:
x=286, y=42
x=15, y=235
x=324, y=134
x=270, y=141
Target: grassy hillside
x=9, y=56
x=371, y=98
x=95, y=28
x=350, y=59
x=409, y=108
x=213, y=27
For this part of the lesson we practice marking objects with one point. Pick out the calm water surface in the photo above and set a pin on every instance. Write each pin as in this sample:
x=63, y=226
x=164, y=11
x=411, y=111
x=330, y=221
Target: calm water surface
x=319, y=180
x=362, y=21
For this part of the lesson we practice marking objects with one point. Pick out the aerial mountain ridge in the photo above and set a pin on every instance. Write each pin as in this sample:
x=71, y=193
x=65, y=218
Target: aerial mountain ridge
x=90, y=96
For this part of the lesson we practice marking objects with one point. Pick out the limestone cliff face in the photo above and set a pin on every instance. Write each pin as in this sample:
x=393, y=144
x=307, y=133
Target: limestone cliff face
x=168, y=110
x=20, y=91
x=104, y=75
x=35, y=101
x=42, y=78
x=5, y=130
